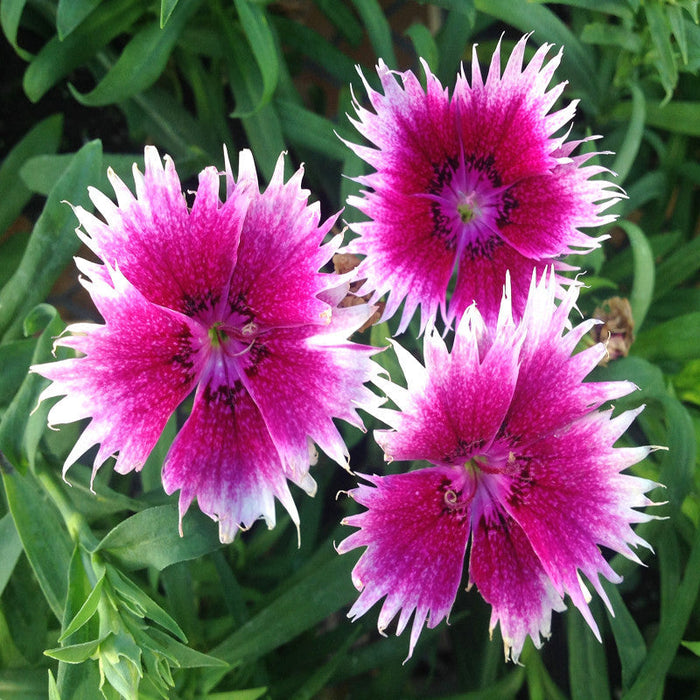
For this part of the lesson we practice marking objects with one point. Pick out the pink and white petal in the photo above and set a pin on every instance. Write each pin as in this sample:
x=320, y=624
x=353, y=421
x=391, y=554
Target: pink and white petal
x=552, y=207
x=223, y=456
x=569, y=497
x=448, y=426
x=136, y=370
x=481, y=279
x=303, y=378
x=416, y=536
x=539, y=405
x=403, y=256
x=412, y=128
x=277, y=274
x=506, y=118
x=175, y=257
x=511, y=579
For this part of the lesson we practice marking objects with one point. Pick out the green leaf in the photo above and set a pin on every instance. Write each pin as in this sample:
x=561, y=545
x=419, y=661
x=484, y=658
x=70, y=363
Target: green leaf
x=88, y=609
x=342, y=18
x=677, y=339
x=660, y=31
x=44, y=539
x=79, y=681
x=304, y=128
x=628, y=639
x=140, y=604
x=59, y=58
x=304, y=605
x=52, y=244
x=606, y=34
x=452, y=41
x=662, y=652
x=40, y=173
x=10, y=549
x=156, y=115
x=249, y=694
x=23, y=423
x=619, y=8
x=317, y=681
x=53, y=688
x=44, y=137
x=10, y=16
x=678, y=267
x=70, y=13
x=678, y=116
x=262, y=127
x=181, y=654
x=424, y=44
x=317, y=48
x=75, y=653
x=692, y=646
x=15, y=358
x=588, y=677
x=141, y=62
x=627, y=152
x=643, y=282
x=23, y=684
x=262, y=42
x=166, y=9
x=378, y=29
x=151, y=538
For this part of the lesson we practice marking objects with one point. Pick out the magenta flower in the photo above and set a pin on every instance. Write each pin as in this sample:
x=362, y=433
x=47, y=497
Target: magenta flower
x=224, y=298
x=475, y=181
x=523, y=464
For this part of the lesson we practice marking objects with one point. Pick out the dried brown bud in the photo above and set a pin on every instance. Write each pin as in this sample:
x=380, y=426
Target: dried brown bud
x=344, y=263
x=617, y=330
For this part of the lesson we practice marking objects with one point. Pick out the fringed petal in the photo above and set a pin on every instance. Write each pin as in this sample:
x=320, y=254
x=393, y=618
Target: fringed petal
x=416, y=532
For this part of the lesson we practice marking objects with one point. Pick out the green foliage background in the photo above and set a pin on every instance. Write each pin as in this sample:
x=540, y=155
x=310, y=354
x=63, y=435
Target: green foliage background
x=99, y=594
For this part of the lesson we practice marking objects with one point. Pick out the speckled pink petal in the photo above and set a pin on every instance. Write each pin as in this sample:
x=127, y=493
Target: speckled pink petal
x=137, y=368
x=224, y=457
x=570, y=498
x=510, y=577
x=416, y=538
x=280, y=254
x=446, y=426
x=540, y=406
x=174, y=256
x=307, y=376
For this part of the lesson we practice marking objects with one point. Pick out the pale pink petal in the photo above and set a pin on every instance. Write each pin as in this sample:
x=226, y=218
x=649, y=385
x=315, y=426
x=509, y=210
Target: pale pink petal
x=137, y=368
x=510, y=577
x=415, y=530
x=306, y=377
x=223, y=456
x=174, y=256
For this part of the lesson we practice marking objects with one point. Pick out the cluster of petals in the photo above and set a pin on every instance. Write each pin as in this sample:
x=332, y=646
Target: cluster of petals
x=477, y=182
x=223, y=299
x=523, y=471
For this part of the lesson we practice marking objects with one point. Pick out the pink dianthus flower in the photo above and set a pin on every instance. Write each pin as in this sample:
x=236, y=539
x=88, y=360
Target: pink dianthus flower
x=224, y=298
x=523, y=465
x=475, y=181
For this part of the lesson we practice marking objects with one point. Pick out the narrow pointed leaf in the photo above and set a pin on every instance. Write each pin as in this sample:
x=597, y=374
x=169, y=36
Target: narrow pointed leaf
x=44, y=137
x=88, y=609
x=45, y=541
x=52, y=244
x=152, y=538
x=70, y=13
x=141, y=62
